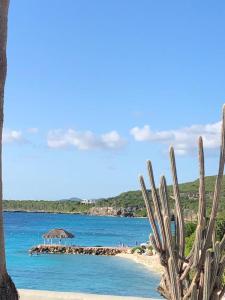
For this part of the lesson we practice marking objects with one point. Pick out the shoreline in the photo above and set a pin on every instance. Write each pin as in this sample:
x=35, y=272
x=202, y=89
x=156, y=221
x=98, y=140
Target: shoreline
x=69, y=213
x=152, y=262
x=26, y=294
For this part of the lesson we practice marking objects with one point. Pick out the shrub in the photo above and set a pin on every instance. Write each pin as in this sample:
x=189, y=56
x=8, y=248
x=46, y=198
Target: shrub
x=137, y=248
x=220, y=229
x=190, y=233
x=190, y=228
x=150, y=248
x=189, y=241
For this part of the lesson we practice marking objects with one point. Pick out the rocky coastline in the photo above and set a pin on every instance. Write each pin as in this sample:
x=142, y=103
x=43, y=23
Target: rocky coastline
x=93, y=211
x=106, y=211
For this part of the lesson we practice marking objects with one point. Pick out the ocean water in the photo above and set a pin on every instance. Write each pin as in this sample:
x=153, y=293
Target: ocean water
x=77, y=273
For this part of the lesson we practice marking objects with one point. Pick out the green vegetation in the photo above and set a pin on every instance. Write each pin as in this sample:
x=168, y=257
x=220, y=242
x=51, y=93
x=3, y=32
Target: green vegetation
x=137, y=249
x=190, y=228
x=220, y=228
x=46, y=206
x=127, y=199
x=188, y=192
x=189, y=236
x=131, y=201
x=189, y=241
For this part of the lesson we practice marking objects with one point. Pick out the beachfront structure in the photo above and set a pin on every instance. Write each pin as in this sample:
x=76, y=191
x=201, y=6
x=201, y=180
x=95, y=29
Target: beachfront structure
x=199, y=276
x=57, y=234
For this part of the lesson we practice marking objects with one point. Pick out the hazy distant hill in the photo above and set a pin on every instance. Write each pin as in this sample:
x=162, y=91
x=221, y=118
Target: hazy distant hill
x=72, y=199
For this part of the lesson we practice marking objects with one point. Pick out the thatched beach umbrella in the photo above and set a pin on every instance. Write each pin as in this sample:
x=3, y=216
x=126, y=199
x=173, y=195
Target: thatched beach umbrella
x=58, y=233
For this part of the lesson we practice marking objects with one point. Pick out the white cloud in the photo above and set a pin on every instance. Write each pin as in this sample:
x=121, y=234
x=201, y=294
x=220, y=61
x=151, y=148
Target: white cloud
x=112, y=140
x=184, y=139
x=85, y=140
x=33, y=130
x=12, y=136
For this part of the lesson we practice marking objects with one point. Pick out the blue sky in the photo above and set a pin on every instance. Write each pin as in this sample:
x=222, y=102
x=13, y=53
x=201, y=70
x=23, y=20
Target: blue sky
x=95, y=88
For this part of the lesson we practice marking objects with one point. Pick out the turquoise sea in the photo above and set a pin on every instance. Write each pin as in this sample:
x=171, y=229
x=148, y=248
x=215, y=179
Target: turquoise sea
x=77, y=273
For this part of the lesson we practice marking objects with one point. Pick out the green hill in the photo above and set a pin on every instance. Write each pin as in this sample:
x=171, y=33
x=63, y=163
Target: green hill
x=130, y=202
x=188, y=192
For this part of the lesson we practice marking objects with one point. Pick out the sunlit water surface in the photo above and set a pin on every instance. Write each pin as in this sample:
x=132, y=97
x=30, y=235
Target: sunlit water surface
x=77, y=273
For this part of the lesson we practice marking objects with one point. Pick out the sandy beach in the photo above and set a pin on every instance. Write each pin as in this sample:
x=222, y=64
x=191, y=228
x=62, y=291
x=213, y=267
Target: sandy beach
x=151, y=262
x=47, y=295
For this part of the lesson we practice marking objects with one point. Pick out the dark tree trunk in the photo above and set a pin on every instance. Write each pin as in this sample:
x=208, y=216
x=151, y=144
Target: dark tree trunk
x=7, y=288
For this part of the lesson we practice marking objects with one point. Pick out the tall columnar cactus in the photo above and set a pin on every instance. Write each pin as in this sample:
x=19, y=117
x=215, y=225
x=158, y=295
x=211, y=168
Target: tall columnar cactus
x=199, y=276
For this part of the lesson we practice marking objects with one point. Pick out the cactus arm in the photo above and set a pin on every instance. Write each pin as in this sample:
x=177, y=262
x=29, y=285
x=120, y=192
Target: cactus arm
x=222, y=244
x=206, y=288
x=215, y=266
x=156, y=202
x=221, y=268
x=217, y=186
x=194, y=293
x=179, y=213
x=197, y=245
x=150, y=213
x=153, y=243
x=164, y=197
x=175, y=289
x=169, y=241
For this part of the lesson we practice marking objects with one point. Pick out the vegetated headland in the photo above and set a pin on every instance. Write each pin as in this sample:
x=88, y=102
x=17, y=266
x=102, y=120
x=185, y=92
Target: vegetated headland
x=127, y=204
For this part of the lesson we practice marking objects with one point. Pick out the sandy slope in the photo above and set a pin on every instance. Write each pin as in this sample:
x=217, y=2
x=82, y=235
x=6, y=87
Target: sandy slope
x=47, y=295
x=151, y=262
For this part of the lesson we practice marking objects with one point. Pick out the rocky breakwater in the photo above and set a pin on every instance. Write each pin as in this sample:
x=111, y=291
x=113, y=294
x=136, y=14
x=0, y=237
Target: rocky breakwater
x=60, y=249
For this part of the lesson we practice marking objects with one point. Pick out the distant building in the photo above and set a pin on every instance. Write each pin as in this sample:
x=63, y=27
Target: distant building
x=87, y=201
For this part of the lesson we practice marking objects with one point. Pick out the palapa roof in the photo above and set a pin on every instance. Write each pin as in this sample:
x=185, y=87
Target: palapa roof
x=58, y=233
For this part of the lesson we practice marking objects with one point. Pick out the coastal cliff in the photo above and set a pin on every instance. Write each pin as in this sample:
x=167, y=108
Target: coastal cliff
x=113, y=211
